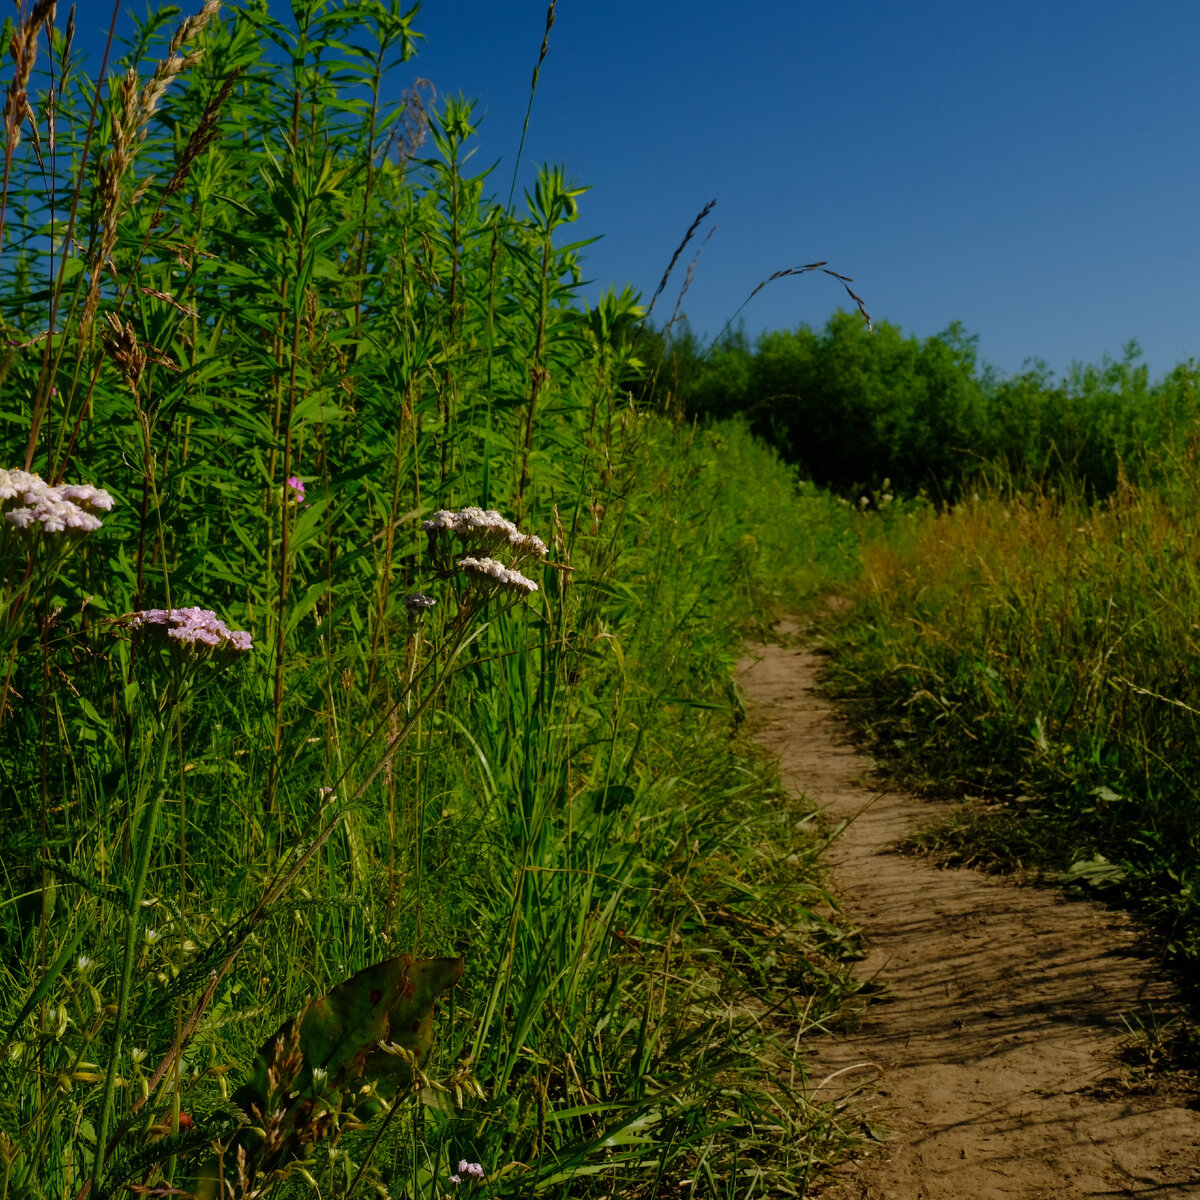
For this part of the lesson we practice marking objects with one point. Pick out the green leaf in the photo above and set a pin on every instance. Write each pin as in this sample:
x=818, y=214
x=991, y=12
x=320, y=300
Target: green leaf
x=411, y=1022
x=1095, y=872
x=335, y=1032
x=90, y=712
x=311, y=1065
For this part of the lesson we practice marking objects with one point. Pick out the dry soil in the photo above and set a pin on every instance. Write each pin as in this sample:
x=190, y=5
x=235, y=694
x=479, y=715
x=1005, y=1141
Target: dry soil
x=996, y=1050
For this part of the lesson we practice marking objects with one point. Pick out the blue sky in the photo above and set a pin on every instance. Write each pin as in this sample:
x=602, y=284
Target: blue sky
x=1027, y=168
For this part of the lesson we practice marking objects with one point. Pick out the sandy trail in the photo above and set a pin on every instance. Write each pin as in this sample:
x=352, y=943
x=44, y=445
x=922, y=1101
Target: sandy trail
x=998, y=1046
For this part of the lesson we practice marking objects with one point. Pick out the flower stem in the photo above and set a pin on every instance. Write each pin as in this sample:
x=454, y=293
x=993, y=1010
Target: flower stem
x=141, y=868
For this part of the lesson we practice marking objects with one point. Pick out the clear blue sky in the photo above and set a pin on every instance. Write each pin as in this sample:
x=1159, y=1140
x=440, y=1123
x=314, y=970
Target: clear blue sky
x=1030, y=169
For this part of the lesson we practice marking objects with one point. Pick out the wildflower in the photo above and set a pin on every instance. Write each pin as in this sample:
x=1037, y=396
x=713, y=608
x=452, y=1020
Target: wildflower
x=527, y=545
x=488, y=537
x=474, y=527
x=488, y=570
x=87, y=495
x=482, y=529
x=196, y=629
x=473, y=1171
x=442, y=519
x=480, y=526
x=54, y=516
x=25, y=484
x=297, y=485
x=440, y=522
x=419, y=603
x=67, y=508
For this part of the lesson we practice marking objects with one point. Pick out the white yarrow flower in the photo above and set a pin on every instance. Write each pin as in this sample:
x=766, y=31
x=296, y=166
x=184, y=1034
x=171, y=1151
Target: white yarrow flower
x=527, y=544
x=488, y=570
x=55, y=509
x=483, y=532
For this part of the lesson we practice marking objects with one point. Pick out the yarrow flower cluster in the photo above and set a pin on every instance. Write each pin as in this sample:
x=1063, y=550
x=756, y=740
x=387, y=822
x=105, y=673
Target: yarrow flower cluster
x=483, y=529
x=191, y=628
x=488, y=538
x=69, y=507
x=474, y=1172
x=418, y=602
x=488, y=570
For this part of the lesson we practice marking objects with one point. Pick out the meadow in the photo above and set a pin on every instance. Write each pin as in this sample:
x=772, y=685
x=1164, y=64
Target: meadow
x=374, y=813
x=375, y=809
x=1035, y=655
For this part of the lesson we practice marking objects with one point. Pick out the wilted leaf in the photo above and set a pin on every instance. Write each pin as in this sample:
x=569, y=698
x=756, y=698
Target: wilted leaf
x=340, y=1034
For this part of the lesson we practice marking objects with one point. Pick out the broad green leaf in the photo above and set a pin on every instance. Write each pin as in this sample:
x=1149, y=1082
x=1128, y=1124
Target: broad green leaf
x=336, y=1033
x=411, y=1022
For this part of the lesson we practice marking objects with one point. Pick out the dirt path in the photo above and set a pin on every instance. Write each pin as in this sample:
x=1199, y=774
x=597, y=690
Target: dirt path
x=997, y=1051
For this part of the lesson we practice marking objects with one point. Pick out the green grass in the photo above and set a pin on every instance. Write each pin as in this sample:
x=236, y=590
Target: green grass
x=272, y=274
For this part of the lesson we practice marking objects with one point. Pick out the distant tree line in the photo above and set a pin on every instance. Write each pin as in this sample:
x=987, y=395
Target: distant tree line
x=853, y=408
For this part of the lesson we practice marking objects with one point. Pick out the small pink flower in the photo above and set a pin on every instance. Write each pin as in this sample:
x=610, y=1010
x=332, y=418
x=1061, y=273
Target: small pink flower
x=297, y=486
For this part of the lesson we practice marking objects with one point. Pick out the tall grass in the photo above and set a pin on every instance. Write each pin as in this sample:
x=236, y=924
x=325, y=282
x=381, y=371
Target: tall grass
x=1036, y=651
x=270, y=310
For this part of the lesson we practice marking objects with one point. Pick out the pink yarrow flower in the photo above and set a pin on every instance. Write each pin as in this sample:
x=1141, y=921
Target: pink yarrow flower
x=195, y=629
x=472, y=1171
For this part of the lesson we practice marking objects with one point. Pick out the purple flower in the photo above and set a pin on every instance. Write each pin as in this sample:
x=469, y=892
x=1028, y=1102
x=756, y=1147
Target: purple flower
x=297, y=486
x=473, y=1171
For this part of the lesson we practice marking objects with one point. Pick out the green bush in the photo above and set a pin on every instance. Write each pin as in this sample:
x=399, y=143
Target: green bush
x=853, y=408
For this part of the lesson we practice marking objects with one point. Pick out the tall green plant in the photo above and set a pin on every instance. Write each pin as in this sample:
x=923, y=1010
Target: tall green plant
x=282, y=335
